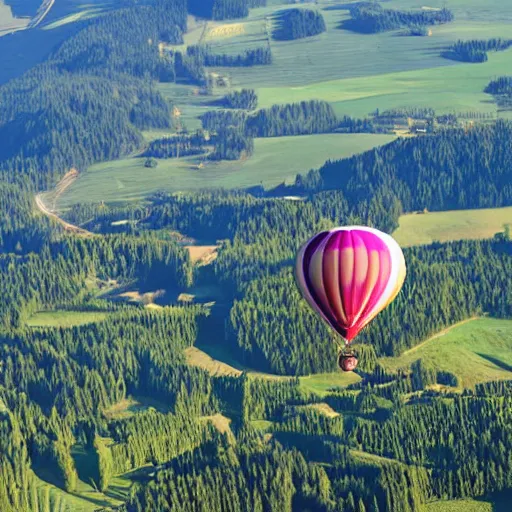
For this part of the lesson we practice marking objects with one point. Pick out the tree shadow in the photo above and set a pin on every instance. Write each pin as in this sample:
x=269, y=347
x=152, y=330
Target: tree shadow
x=496, y=361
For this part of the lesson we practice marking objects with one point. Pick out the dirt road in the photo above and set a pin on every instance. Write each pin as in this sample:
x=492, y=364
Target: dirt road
x=41, y=206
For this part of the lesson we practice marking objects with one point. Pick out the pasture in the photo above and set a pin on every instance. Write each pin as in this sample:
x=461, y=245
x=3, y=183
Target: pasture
x=274, y=160
x=449, y=88
x=341, y=54
x=476, y=351
x=65, y=318
x=424, y=228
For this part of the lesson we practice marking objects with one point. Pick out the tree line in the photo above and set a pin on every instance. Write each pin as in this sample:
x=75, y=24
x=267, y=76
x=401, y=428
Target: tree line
x=297, y=24
x=245, y=99
x=476, y=50
x=475, y=172
x=371, y=18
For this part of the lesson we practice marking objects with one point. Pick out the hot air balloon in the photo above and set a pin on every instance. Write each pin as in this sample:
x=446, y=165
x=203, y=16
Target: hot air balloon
x=348, y=275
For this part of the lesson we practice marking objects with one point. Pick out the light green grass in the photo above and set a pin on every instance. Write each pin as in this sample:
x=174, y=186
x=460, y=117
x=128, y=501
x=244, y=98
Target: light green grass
x=418, y=229
x=340, y=54
x=322, y=382
x=476, y=351
x=65, y=318
x=274, y=161
x=370, y=458
x=457, y=88
x=58, y=500
x=189, y=101
x=458, y=506
x=262, y=425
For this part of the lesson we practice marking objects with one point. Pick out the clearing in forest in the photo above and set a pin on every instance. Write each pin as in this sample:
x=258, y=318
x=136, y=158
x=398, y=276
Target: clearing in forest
x=228, y=30
x=196, y=357
x=477, y=351
x=202, y=254
x=65, y=318
x=425, y=228
x=458, y=506
x=221, y=423
x=275, y=159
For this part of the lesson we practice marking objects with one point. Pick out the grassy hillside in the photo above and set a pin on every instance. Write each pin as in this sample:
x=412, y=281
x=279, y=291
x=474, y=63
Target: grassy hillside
x=274, y=161
x=475, y=351
x=417, y=229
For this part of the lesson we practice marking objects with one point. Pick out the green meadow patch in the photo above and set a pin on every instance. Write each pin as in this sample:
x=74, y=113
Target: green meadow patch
x=321, y=383
x=65, y=318
x=475, y=351
x=425, y=228
x=274, y=160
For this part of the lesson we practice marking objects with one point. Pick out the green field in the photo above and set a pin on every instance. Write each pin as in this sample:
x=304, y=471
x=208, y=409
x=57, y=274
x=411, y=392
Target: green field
x=361, y=72
x=457, y=88
x=274, y=161
x=418, y=229
x=476, y=351
x=65, y=318
x=458, y=506
x=322, y=382
x=356, y=73
x=57, y=500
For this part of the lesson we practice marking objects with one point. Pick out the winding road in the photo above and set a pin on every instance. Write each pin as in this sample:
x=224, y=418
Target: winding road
x=41, y=206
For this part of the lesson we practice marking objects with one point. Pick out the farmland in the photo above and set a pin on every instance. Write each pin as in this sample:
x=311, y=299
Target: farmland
x=457, y=88
x=475, y=351
x=274, y=161
x=357, y=82
x=388, y=70
x=418, y=229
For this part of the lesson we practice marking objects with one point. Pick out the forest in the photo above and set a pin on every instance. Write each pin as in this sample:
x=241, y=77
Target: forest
x=223, y=9
x=371, y=18
x=115, y=403
x=404, y=167
x=203, y=56
x=476, y=50
x=298, y=23
x=500, y=86
x=243, y=99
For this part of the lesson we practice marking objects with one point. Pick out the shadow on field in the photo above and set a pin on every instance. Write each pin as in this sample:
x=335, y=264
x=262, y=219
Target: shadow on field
x=497, y=362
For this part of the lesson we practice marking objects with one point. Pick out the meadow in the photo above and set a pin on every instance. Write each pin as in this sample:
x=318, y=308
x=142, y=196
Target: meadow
x=455, y=88
x=425, y=228
x=321, y=383
x=356, y=73
x=476, y=351
x=361, y=72
x=274, y=160
x=65, y=318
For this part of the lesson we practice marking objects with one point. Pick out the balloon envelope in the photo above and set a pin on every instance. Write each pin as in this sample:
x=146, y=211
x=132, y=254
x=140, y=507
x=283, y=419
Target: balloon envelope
x=349, y=275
